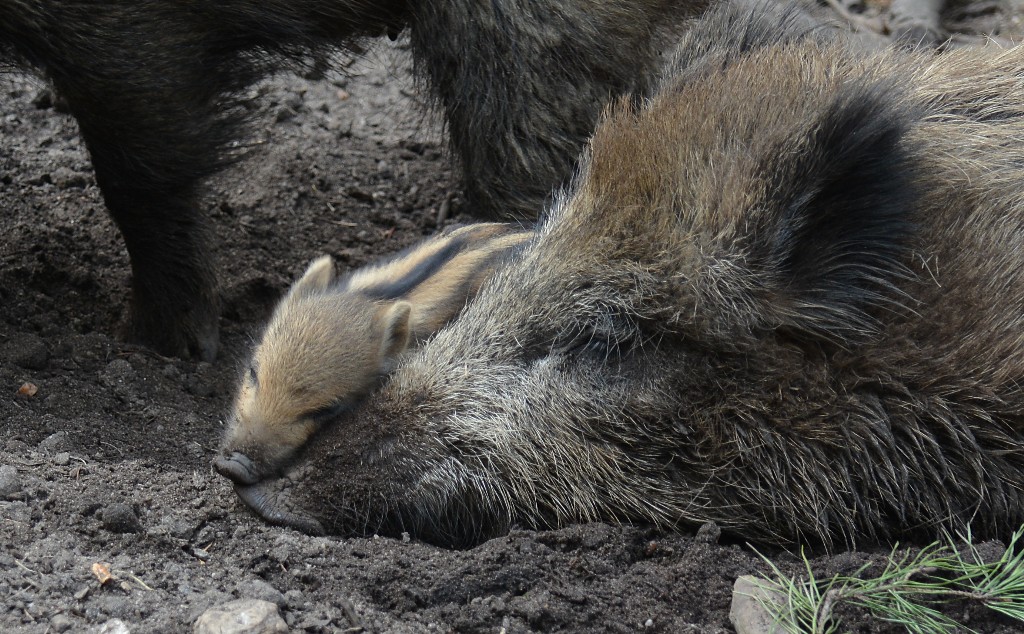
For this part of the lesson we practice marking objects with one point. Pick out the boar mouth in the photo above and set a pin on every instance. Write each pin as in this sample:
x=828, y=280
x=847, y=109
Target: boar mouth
x=272, y=506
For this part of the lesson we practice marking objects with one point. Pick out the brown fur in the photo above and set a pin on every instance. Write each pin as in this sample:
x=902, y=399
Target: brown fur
x=786, y=296
x=329, y=341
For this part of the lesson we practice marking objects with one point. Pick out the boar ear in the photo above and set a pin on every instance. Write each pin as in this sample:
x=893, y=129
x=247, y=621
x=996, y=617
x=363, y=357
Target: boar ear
x=318, y=276
x=838, y=216
x=396, y=328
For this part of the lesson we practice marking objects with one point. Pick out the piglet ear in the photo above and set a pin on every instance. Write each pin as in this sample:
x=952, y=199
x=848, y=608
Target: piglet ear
x=318, y=276
x=838, y=215
x=396, y=328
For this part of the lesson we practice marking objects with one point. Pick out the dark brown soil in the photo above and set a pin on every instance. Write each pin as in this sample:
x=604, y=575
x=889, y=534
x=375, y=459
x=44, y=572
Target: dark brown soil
x=108, y=462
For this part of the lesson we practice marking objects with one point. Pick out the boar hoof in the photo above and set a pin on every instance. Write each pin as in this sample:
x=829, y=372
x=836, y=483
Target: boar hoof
x=176, y=320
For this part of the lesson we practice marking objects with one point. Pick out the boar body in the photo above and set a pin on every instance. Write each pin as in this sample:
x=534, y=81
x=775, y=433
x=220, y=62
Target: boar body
x=785, y=295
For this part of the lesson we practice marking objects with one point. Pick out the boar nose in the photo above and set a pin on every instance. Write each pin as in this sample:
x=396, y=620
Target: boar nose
x=237, y=467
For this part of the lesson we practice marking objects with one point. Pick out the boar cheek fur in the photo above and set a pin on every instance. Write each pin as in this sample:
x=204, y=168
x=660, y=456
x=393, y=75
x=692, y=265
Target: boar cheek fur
x=785, y=296
x=157, y=89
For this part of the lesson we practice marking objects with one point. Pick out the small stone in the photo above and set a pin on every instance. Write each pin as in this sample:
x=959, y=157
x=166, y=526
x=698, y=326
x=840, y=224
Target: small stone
x=60, y=623
x=708, y=533
x=28, y=389
x=10, y=482
x=294, y=599
x=54, y=442
x=747, y=613
x=120, y=518
x=207, y=534
x=177, y=527
x=359, y=194
x=26, y=350
x=117, y=372
x=243, y=616
x=114, y=626
x=62, y=458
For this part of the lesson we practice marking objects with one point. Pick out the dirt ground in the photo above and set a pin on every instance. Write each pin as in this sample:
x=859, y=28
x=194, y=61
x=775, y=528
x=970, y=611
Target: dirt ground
x=108, y=462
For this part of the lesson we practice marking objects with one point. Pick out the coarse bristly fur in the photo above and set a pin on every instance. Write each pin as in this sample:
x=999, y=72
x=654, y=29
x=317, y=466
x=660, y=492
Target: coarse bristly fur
x=159, y=88
x=785, y=295
x=331, y=340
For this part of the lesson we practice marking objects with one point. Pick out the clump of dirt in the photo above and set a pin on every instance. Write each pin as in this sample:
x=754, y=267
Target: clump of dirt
x=111, y=515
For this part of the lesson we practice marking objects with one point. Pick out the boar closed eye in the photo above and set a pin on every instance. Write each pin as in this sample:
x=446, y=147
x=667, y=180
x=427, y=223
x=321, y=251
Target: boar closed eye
x=328, y=413
x=591, y=342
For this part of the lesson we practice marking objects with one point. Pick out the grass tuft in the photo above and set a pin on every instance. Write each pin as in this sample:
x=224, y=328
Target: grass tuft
x=908, y=592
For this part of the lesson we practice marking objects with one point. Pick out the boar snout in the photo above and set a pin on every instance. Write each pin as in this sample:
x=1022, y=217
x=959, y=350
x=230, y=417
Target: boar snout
x=237, y=467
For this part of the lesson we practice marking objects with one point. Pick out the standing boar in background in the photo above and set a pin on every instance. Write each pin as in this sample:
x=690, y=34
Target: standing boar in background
x=785, y=295
x=156, y=88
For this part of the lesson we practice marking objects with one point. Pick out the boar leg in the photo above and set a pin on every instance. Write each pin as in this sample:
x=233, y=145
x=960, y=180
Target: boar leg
x=151, y=146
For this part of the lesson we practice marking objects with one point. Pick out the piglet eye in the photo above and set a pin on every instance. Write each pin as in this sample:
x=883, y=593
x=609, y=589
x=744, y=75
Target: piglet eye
x=328, y=413
x=252, y=374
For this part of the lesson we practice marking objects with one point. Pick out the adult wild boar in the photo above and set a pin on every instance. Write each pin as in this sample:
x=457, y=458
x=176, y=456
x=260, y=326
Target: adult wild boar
x=157, y=90
x=785, y=295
